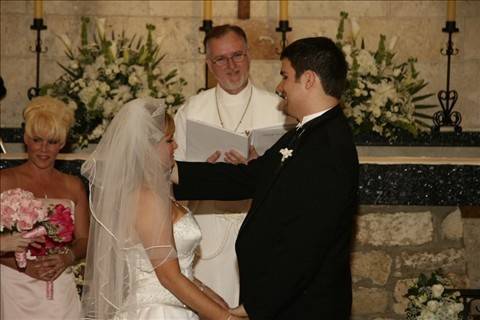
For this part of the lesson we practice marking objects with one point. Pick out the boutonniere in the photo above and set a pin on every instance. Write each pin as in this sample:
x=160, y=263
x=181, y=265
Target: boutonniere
x=286, y=153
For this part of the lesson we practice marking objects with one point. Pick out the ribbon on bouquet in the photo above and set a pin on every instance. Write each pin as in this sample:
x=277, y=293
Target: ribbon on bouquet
x=21, y=257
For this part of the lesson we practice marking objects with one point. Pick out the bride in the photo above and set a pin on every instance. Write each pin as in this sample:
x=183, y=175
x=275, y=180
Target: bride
x=142, y=242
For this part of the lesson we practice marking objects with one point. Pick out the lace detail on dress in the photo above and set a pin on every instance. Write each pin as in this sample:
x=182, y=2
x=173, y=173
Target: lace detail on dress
x=149, y=291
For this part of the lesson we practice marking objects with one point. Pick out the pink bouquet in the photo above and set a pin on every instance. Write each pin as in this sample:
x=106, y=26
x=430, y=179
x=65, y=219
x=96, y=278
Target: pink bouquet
x=20, y=211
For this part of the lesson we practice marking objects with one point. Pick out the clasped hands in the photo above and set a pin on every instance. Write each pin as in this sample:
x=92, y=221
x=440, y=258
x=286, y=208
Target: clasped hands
x=234, y=157
x=49, y=268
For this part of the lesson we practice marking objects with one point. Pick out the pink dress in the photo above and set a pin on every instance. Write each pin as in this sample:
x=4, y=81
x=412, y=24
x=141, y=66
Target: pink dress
x=23, y=297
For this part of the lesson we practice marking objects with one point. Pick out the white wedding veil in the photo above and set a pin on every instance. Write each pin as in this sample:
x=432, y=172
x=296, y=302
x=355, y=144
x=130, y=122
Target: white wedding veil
x=130, y=192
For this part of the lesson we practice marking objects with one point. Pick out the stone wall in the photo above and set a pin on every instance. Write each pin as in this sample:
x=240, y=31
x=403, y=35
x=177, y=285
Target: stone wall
x=417, y=23
x=394, y=245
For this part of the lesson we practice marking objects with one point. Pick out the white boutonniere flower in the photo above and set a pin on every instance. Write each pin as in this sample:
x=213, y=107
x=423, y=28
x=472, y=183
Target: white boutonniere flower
x=286, y=153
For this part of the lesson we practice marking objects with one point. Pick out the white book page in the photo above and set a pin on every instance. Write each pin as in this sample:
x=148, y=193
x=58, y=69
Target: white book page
x=264, y=138
x=203, y=140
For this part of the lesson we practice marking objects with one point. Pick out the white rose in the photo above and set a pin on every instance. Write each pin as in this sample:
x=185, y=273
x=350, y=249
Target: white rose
x=133, y=79
x=437, y=290
x=72, y=105
x=347, y=49
x=432, y=305
x=170, y=99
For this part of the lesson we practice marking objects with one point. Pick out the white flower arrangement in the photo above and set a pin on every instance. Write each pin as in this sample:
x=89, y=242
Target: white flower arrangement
x=104, y=74
x=381, y=93
x=429, y=301
x=286, y=153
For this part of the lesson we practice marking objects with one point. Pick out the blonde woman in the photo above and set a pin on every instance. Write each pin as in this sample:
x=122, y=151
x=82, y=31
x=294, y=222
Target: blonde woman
x=47, y=121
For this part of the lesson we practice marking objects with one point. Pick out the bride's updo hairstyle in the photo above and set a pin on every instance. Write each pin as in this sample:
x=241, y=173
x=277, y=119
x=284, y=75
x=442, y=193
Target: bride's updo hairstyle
x=49, y=118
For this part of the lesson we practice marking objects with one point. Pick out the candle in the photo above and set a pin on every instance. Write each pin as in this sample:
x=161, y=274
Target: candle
x=38, y=9
x=451, y=10
x=207, y=9
x=283, y=10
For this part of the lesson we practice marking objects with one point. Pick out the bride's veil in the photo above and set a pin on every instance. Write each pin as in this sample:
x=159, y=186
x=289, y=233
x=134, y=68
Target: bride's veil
x=129, y=178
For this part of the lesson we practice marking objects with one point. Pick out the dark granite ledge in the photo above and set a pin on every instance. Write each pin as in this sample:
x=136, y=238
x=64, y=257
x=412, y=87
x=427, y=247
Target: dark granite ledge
x=467, y=139
x=403, y=184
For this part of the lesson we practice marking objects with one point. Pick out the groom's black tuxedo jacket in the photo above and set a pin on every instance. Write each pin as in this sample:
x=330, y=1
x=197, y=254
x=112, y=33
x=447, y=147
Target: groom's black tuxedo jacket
x=293, y=247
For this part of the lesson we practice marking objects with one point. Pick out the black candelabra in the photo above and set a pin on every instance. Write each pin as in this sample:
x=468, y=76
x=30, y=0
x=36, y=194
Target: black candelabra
x=447, y=98
x=206, y=27
x=283, y=27
x=38, y=26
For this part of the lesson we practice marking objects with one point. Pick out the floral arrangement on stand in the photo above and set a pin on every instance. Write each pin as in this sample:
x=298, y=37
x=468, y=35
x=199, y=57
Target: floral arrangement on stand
x=381, y=94
x=22, y=212
x=428, y=299
x=105, y=73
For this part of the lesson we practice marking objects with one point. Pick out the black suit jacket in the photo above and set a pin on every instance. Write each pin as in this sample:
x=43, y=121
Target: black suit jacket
x=293, y=248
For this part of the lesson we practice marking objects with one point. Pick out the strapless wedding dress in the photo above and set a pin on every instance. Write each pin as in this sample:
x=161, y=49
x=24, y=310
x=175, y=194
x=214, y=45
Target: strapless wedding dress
x=152, y=300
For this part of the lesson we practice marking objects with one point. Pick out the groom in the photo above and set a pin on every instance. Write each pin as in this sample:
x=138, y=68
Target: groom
x=293, y=248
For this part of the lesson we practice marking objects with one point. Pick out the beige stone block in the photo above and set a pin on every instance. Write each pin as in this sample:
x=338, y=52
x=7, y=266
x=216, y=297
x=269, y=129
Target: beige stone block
x=192, y=71
x=472, y=38
x=452, y=226
x=472, y=243
x=18, y=75
x=16, y=36
x=18, y=6
x=400, y=290
x=469, y=95
x=398, y=229
x=374, y=266
x=450, y=259
x=419, y=9
x=175, y=8
x=369, y=301
x=303, y=28
x=315, y=9
x=97, y=8
x=265, y=73
x=468, y=8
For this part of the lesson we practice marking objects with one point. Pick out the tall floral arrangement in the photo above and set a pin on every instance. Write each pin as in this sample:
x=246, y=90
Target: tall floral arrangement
x=106, y=72
x=382, y=94
x=427, y=299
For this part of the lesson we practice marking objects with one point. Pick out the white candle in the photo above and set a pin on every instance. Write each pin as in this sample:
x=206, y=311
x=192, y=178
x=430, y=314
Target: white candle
x=207, y=9
x=38, y=9
x=283, y=10
x=451, y=10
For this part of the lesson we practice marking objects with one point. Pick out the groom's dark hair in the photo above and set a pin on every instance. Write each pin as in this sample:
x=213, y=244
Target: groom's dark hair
x=322, y=56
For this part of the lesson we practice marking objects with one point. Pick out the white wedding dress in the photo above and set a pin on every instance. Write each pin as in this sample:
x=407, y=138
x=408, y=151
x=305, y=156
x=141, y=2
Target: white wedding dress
x=152, y=300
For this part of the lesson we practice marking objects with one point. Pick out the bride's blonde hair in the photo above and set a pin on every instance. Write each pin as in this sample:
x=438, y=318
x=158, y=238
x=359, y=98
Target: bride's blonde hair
x=48, y=116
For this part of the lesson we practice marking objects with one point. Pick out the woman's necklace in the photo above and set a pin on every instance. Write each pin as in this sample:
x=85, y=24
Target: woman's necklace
x=244, y=111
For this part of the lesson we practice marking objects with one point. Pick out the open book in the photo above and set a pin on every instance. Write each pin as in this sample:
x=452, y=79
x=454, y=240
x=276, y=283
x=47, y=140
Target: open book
x=204, y=139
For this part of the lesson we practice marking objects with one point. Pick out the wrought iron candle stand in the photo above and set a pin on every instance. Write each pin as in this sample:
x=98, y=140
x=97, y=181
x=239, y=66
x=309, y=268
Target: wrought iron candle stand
x=206, y=27
x=447, y=98
x=38, y=26
x=283, y=27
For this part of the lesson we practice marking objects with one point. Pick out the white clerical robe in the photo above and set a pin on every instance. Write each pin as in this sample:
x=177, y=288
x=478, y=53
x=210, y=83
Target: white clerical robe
x=220, y=221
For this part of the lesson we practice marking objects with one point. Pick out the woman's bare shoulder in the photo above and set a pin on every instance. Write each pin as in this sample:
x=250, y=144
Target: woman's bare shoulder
x=8, y=178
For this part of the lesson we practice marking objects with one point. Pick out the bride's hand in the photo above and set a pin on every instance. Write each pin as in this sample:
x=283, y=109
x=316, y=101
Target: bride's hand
x=239, y=312
x=214, y=296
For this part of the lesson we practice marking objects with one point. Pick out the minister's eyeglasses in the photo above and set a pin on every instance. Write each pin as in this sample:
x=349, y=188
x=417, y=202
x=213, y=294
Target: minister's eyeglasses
x=237, y=57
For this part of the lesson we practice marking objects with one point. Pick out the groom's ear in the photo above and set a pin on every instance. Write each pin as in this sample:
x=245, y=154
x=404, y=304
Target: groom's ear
x=309, y=79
